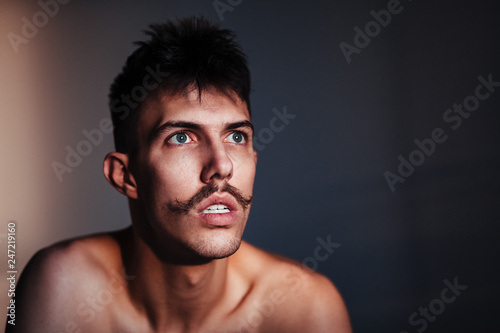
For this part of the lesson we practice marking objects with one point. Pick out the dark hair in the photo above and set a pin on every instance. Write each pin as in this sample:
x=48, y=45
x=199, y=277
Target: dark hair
x=190, y=52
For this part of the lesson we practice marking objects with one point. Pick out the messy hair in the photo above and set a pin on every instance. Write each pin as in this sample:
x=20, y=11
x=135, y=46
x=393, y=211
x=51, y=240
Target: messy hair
x=179, y=55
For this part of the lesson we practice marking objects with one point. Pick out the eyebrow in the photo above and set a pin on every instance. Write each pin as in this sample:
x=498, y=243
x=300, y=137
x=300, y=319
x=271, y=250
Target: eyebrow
x=240, y=124
x=186, y=124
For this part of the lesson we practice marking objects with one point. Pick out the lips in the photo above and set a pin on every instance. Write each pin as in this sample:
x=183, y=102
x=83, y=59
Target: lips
x=218, y=210
x=218, y=201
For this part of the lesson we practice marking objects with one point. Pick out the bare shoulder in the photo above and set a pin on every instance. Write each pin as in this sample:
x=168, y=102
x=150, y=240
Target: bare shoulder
x=58, y=279
x=292, y=297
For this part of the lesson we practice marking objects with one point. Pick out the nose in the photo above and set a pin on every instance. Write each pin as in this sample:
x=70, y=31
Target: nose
x=218, y=165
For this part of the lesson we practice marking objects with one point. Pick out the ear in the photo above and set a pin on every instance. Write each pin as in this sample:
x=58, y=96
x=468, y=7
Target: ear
x=255, y=157
x=117, y=172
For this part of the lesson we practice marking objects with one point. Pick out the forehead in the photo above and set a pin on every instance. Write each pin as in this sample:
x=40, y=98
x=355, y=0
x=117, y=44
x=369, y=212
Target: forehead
x=211, y=109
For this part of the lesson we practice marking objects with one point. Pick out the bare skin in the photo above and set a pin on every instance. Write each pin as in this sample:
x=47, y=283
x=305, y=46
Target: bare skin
x=176, y=271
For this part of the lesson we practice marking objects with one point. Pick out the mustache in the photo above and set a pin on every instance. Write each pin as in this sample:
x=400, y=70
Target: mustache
x=205, y=192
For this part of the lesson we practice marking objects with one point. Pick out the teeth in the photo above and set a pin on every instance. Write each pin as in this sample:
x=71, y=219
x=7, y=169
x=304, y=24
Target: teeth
x=216, y=209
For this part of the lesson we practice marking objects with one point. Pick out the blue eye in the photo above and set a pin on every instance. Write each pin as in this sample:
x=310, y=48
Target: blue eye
x=236, y=137
x=180, y=138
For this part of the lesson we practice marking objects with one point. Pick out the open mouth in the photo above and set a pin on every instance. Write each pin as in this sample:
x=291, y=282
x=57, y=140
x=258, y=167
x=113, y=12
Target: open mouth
x=216, y=209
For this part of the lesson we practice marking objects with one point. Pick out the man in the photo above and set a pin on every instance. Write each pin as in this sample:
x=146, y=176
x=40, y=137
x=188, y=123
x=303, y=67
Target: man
x=184, y=159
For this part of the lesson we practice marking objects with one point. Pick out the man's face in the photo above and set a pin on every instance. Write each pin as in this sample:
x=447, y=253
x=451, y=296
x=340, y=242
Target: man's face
x=194, y=171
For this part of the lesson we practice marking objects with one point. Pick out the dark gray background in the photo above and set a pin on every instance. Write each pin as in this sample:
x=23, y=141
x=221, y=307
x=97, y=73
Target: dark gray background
x=323, y=174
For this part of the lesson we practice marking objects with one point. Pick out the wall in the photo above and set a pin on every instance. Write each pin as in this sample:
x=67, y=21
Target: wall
x=361, y=87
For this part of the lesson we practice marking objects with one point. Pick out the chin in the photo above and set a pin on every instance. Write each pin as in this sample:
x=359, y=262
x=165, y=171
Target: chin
x=217, y=246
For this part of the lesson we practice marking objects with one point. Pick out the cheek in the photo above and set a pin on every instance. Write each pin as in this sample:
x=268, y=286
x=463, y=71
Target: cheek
x=173, y=177
x=244, y=174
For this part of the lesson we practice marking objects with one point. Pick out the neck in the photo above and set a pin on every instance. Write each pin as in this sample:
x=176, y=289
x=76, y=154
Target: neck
x=171, y=294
